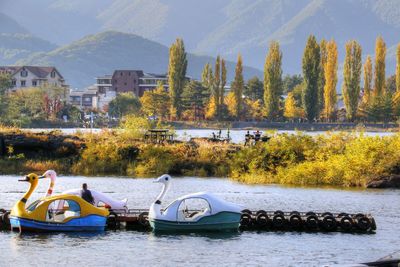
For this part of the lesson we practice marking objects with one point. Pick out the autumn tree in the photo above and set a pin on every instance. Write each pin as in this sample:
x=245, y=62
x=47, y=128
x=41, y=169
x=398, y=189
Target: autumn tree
x=289, y=82
x=124, y=104
x=272, y=80
x=223, y=82
x=238, y=87
x=367, y=80
x=176, y=76
x=351, y=78
x=156, y=103
x=291, y=109
x=321, y=87
x=311, y=73
x=398, y=68
x=380, y=55
x=330, y=72
x=216, y=92
x=207, y=76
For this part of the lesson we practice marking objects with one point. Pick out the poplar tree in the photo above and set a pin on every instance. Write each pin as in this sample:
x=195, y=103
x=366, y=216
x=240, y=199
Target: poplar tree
x=237, y=88
x=223, y=81
x=323, y=60
x=398, y=68
x=216, y=86
x=207, y=76
x=272, y=80
x=351, y=78
x=380, y=54
x=176, y=76
x=330, y=73
x=367, y=80
x=311, y=72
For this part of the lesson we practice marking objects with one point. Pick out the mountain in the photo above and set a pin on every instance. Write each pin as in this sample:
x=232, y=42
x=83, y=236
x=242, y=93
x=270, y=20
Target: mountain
x=224, y=27
x=81, y=61
x=17, y=43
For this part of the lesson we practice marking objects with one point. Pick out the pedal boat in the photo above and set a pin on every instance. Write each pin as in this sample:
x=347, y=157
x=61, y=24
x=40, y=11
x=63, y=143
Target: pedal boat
x=215, y=214
x=45, y=215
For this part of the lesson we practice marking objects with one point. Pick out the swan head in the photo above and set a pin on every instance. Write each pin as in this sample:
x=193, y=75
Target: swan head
x=31, y=178
x=164, y=179
x=49, y=174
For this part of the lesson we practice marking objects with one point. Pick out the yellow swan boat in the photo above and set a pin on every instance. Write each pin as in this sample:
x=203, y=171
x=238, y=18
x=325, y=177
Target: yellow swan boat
x=56, y=213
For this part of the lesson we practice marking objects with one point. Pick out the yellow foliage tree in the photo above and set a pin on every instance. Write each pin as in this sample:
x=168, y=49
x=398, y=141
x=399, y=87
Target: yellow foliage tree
x=231, y=103
x=156, y=103
x=211, y=109
x=291, y=110
x=330, y=72
x=367, y=80
x=254, y=109
x=380, y=54
x=398, y=68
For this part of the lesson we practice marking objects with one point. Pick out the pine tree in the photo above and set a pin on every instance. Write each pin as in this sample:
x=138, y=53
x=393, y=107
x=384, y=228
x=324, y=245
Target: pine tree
x=311, y=73
x=330, y=72
x=237, y=87
x=176, y=76
x=272, y=80
x=351, y=78
x=380, y=54
x=321, y=86
x=223, y=81
x=367, y=80
x=398, y=68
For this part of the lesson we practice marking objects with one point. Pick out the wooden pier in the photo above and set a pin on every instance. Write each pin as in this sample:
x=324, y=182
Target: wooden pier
x=137, y=219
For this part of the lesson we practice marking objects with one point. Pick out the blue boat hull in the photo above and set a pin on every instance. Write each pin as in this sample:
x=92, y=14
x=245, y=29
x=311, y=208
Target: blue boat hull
x=91, y=223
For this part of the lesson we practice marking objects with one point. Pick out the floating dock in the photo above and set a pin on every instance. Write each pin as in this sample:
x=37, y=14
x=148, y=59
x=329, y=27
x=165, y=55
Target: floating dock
x=261, y=220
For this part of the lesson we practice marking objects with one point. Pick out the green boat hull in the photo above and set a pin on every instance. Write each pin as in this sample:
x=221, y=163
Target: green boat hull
x=223, y=221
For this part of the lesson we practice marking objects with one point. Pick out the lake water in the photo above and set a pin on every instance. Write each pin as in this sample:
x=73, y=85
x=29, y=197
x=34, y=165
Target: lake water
x=131, y=248
x=237, y=136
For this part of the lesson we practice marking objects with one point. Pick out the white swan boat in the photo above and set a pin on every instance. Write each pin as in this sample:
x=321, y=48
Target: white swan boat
x=194, y=212
x=99, y=199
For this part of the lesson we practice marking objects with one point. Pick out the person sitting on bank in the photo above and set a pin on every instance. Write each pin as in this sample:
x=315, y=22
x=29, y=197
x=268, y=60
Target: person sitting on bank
x=86, y=194
x=257, y=136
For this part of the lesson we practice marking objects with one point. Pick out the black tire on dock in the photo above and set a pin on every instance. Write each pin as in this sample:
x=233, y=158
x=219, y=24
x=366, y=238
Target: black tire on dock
x=342, y=214
x=310, y=213
x=373, y=224
x=246, y=211
x=329, y=223
x=327, y=214
x=262, y=220
x=346, y=223
x=279, y=212
x=312, y=222
x=245, y=220
x=296, y=223
x=278, y=221
x=144, y=219
x=112, y=221
x=363, y=223
x=295, y=212
x=358, y=215
x=261, y=212
x=5, y=218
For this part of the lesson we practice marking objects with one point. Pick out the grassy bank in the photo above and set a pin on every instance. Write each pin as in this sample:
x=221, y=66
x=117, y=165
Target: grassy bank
x=340, y=159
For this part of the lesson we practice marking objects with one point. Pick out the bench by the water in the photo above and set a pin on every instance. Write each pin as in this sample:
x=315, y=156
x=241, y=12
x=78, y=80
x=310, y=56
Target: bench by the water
x=158, y=136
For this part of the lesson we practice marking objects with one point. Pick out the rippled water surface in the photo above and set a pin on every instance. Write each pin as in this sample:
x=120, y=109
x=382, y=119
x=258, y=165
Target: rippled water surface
x=131, y=248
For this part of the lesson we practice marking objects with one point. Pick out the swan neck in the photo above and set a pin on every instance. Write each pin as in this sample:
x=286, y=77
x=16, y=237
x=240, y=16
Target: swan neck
x=161, y=196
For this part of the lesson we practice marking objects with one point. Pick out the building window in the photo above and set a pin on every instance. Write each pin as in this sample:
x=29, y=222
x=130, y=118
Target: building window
x=88, y=99
x=13, y=82
x=129, y=74
x=24, y=73
x=125, y=84
x=23, y=83
x=122, y=74
x=53, y=74
x=34, y=83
